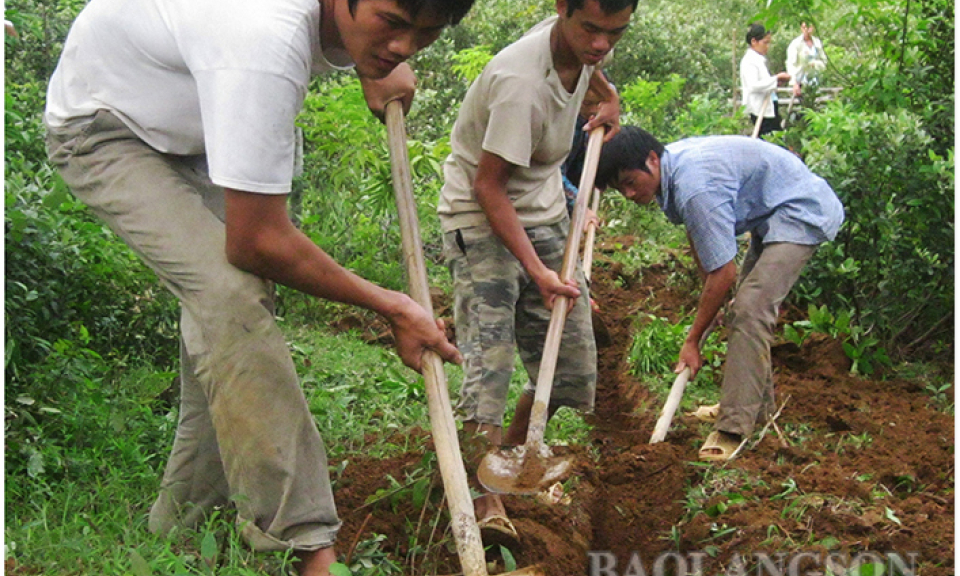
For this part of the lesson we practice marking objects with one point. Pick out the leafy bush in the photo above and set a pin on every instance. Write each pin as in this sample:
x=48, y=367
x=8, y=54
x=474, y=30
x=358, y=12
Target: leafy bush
x=892, y=262
x=349, y=208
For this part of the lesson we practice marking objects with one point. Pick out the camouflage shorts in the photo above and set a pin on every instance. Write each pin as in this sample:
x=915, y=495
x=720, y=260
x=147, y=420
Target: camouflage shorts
x=496, y=304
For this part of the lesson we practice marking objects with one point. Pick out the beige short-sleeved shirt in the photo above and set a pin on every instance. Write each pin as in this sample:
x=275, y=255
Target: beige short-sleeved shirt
x=519, y=110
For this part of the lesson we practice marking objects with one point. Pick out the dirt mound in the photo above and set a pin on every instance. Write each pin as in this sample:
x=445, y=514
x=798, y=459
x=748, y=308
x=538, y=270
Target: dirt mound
x=855, y=465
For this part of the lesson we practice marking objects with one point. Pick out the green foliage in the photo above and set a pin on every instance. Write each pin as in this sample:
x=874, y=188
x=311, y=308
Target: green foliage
x=76, y=299
x=348, y=207
x=657, y=240
x=861, y=347
x=692, y=40
x=653, y=356
x=892, y=262
x=645, y=102
x=469, y=62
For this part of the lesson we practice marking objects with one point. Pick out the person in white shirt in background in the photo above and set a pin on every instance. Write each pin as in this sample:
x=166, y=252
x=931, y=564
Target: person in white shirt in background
x=757, y=85
x=805, y=59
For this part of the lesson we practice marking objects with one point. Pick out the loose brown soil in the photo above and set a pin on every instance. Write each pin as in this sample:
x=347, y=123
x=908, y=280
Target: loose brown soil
x=863, y=465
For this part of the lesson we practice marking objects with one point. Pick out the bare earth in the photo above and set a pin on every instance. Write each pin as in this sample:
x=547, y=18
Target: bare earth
x=863, y=466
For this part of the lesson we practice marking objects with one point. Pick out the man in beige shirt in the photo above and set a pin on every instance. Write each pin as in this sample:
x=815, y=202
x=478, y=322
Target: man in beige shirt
x=505, y=222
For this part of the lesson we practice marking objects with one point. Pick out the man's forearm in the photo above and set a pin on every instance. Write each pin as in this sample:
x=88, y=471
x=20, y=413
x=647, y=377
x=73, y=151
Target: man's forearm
x=603, y=87
x=716, y=287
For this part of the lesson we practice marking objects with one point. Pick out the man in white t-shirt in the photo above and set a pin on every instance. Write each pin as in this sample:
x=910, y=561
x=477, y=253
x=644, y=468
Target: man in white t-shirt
x=505, y=223
x=174, y=121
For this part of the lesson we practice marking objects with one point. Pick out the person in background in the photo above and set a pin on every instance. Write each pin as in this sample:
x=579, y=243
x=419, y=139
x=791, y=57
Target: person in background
x=806, y=59
x=719, y=187
x=757, y=86
x=174, y=121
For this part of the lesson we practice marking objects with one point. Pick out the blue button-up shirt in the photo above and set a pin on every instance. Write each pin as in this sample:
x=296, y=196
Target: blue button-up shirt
x=722, y=186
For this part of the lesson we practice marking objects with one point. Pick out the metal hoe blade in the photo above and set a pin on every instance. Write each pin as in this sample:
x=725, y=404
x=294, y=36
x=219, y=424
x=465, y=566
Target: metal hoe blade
x=519, y=470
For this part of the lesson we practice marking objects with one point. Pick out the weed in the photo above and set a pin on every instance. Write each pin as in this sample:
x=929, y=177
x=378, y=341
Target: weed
x=861, y=347
x=653, y=355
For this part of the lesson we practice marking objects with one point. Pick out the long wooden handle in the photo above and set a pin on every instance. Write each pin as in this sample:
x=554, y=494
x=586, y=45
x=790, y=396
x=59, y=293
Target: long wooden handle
x=463, y=519
x=670, y=406
x=676, y=391
x=591, y=235
x=763, y=110
x=551, y=348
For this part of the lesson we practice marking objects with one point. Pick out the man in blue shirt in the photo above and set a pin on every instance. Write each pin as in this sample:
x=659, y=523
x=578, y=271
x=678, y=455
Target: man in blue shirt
x=720, y=187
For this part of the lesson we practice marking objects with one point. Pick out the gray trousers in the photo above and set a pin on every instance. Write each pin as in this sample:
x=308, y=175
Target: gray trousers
x=245, y=433
x=766, y=277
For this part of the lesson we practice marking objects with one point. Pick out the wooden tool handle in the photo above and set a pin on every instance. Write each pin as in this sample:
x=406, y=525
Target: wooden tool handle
x=463, y=519
x=551, y=348
x=763, y=110
x=591, y=236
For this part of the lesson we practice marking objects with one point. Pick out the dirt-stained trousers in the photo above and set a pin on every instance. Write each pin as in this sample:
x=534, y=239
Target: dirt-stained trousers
x=245, y=433
x=766, y=277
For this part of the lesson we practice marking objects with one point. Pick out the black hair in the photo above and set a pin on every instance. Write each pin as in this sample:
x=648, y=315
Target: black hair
x=629, y=149
x=452, y=10
x=756, y=31
x=608, y=6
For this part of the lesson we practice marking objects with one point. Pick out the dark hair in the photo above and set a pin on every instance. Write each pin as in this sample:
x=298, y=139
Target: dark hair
x=608, y=6
x=453, y=10
x=627, y=150
x=756, y=31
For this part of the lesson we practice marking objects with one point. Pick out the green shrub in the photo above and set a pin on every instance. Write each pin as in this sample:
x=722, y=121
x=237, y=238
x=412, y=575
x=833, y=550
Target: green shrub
x=892, y=262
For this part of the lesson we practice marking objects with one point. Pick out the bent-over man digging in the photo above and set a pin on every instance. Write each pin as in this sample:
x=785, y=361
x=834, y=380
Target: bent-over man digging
x=719, y=187
x=174, y=121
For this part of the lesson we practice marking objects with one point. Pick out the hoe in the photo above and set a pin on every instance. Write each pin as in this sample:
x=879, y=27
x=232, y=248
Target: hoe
x=463, y=521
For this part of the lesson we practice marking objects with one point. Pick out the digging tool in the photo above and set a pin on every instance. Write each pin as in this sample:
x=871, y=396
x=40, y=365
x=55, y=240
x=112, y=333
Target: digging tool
x=526, y=469
x=763, y=110
x=600, y=333
x=676, y=391
x=463, y=520
x=786, y=119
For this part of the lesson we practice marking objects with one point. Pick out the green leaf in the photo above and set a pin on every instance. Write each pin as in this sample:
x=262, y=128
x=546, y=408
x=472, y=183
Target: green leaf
x=871, y=569
x=338, y=569
x=829, y=542
x=509, y=562
x=139, y=565
x=209, y=549
x=892, y=517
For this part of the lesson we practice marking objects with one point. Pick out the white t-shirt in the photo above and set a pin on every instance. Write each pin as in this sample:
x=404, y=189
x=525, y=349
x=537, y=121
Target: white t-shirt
x=757, y=83
x=225, y=78
x=519, y=110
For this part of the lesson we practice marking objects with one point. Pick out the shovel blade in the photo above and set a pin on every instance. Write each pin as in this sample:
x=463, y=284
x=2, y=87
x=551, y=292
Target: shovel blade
x=521, y=471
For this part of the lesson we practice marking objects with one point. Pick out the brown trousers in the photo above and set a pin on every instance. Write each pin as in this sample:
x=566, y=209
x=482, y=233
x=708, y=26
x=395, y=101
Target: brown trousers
x=766, y=277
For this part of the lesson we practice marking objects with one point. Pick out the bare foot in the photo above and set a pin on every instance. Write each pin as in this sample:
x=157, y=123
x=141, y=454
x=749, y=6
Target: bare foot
x=315, y=562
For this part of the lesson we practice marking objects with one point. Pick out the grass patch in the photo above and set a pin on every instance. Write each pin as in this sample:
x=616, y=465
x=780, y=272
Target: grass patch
x=658, y=241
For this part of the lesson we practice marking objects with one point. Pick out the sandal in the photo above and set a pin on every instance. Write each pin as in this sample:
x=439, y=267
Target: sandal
x=498, y=529
x=708, y=414
x=718, y=447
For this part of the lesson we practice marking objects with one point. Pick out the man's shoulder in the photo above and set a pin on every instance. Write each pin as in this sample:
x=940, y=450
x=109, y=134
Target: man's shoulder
x=522, y=56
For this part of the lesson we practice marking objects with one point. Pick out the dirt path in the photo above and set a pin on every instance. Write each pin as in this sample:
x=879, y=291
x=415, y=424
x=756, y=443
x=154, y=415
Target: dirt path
x=864, y=466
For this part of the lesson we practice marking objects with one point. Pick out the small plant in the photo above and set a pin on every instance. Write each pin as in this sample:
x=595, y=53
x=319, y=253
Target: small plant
x=861, y=347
